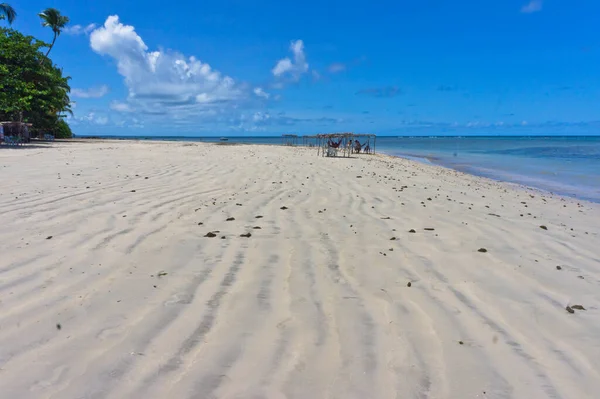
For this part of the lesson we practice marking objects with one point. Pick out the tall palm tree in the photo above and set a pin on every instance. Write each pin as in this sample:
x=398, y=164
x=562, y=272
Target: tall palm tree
x=52, y=18
x=6, y=11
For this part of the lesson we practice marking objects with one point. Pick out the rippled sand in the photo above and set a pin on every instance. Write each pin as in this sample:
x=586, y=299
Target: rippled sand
x=110, y=287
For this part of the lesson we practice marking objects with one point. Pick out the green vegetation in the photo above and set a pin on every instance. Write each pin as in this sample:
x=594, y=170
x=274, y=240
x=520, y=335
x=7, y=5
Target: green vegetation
x=32, y=88
x=62, y=130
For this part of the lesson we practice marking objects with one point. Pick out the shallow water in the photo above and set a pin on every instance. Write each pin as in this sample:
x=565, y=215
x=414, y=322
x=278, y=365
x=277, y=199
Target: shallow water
x=564, y=165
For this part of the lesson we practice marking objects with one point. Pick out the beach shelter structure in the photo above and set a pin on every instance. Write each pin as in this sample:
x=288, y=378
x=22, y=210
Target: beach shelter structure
x=367, y=142
x=345, y=144
x=309, y=141
x=289, y=139
x=15, y=131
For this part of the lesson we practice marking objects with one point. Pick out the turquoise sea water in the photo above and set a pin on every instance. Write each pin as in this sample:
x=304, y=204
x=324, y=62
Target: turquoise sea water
x=564, y=165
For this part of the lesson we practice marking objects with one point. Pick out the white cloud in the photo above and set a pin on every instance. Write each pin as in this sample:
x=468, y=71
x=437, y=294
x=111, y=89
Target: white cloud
x=92, y=92
x=337, y=67
x=89, y=118
x=101, y=120
x=259, y=92
x=157, y=80
x=294, y=68
x=120, y=107
x=79, y=29
x=282, y=67
x=532, y=6
x=260, y=117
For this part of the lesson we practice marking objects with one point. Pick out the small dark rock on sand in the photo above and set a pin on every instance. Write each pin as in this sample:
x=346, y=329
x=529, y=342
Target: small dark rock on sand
x=210, y=234
x=461, y=343
x=283, y=208
x=58, y=326
x=543, y=228
x=409, y=284
x=429, y=229
x=247, y=235
x=49, y=238
x=258, y=217
x=161, y=274
x=482, y=250
x=393, y=239
x=412, y=231
x=558, y=268
x=569, y=309
x=229, y=219
x=257, y=227
x=578, y=307
x=200, y=223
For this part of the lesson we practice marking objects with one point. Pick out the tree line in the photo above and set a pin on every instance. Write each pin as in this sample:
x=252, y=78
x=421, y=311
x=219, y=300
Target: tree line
x=32, y=88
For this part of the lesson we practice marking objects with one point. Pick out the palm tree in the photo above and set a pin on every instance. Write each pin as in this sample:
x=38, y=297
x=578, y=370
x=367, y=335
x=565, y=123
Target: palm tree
x=6, y=11
x=51, y=17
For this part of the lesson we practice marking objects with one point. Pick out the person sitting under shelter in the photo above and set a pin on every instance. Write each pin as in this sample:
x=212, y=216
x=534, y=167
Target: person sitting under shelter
x=357, y=146
x=333, y=144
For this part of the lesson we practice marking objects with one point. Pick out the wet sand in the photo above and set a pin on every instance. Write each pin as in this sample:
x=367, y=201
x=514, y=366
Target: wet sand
x=188, y=270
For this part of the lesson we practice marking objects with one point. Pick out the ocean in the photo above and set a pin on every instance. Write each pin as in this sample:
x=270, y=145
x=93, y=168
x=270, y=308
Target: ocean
x=568, y=165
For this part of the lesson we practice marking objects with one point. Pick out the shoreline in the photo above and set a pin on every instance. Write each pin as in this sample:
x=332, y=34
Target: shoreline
x=512, y=179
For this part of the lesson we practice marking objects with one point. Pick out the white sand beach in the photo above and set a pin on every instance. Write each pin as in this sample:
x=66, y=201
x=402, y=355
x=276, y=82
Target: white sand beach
x=111, y=288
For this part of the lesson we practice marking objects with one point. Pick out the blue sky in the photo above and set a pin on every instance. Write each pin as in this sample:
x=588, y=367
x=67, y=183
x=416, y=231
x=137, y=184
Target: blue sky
x=270, y=67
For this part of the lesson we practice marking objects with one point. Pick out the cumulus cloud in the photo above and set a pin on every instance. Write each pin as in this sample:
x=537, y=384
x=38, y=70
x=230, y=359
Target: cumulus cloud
x=259, y=92
x=92, y=92
x=296, y=68
x=532, y=6
x=337, y=67
x=161, y=79
x=79, y=29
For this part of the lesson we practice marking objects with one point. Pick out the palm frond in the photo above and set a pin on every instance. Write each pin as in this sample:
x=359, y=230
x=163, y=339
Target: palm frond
x=7, y=11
